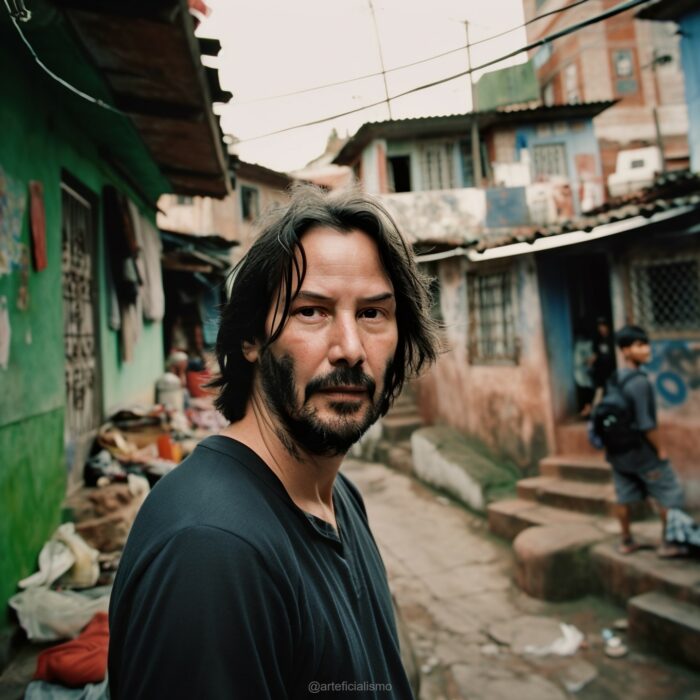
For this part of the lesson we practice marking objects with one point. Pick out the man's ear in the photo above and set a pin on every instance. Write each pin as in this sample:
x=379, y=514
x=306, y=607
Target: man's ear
x=251, y=350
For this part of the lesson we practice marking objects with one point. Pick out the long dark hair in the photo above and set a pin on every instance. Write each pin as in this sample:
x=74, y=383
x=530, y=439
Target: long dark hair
x=272, y=272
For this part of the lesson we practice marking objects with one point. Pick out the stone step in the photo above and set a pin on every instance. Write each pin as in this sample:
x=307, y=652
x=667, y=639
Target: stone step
x=625, y=576
x=667, y=626
x=576, y=467
x=572, y=438
x=578, y=496
x=398, y=428
x=508, y=518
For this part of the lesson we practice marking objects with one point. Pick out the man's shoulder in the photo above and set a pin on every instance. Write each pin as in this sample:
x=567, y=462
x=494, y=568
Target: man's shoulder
x=221, y=486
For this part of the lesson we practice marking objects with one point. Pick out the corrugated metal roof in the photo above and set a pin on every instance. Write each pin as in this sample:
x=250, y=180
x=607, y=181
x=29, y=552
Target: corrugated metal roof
x=676, y=190
x=415, y=127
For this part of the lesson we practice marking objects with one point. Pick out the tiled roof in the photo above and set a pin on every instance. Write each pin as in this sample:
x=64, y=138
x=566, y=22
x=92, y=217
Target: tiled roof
x=675, y=190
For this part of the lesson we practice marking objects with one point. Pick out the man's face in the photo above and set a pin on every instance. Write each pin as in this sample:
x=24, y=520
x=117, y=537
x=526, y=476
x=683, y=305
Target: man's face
x=639, y=352
x=324, y=377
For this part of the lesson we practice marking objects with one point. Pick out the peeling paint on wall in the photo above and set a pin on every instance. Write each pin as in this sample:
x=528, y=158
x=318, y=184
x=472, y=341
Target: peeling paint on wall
x=13, y=200
x=504, y=406
x=462, y=215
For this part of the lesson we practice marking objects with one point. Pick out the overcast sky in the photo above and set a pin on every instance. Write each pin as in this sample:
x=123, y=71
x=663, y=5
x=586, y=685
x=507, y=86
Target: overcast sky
x=272, y=47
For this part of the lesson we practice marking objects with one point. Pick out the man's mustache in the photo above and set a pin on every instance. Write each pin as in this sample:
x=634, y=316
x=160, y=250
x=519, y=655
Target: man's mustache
x=341, y=376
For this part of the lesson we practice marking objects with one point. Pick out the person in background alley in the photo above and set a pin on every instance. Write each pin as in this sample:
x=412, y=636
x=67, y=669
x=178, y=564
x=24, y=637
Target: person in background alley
x=593, y=374
x=641, y=470
x=251, y=571
x=603, y=360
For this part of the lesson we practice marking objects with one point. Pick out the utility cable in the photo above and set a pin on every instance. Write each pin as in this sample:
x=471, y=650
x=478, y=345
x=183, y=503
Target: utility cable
x=14, y=15
x=618, y=9
x=347, y=81
x=381, y=57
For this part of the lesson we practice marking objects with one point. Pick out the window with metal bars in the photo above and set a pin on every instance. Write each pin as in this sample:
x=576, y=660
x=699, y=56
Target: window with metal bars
x=549, y=160
x=666, y=295
x=491, y=317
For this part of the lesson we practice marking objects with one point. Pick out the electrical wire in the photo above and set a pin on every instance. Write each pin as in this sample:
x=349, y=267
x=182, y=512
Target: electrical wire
x=347, y=81
x=618, y=9
x=57, y=78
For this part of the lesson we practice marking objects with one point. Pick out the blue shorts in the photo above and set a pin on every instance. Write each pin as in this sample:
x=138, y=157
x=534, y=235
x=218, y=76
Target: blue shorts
x=658, y=482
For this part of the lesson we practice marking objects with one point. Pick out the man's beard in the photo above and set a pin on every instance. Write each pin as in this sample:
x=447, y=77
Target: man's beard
x=301, y=424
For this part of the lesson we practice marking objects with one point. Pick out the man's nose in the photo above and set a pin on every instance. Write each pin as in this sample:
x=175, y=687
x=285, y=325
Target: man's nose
x=346, y=345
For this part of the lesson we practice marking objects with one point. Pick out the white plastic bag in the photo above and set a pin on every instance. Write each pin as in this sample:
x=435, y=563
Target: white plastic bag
x=55, y=559
x=47, y=615
x=66, y=556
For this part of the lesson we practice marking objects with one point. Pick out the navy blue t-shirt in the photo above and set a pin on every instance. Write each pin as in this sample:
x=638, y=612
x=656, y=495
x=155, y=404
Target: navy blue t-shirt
x=226, y=589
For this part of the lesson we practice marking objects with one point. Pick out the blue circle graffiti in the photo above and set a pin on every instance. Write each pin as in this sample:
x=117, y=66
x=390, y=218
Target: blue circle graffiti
x=671, y=388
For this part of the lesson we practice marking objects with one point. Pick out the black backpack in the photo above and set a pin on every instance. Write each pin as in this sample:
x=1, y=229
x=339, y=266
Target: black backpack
x=612, y=419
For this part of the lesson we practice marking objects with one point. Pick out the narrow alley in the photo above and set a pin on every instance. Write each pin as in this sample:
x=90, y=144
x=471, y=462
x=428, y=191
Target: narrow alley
x=453, y=583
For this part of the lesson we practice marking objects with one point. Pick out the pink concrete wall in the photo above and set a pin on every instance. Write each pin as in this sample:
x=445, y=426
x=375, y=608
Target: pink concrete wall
x=507, y=407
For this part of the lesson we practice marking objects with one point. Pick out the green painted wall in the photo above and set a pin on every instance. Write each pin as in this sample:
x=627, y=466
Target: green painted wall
x=31, y=487
x=507, y=86
x=41, y=138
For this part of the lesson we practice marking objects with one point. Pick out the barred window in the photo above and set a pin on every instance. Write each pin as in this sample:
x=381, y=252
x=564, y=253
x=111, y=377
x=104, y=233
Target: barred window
x=549, y=160
x=491, y=317
x=666, y=295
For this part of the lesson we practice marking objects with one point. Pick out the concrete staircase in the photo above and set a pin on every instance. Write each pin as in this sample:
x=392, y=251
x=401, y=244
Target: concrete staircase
x=571, y=488
x=662, y=597
x=398, y=425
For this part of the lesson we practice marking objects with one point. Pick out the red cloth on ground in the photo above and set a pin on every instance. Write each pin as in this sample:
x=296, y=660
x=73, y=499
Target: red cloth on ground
x=81, y=661
x=195, y=379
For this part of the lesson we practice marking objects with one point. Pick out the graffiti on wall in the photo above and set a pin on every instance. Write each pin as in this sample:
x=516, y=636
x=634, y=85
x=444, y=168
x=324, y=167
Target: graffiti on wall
x=675, y=370
x=12, y=205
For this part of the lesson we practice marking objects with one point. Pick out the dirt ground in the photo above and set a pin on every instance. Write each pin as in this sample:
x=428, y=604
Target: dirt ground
x=453, y=583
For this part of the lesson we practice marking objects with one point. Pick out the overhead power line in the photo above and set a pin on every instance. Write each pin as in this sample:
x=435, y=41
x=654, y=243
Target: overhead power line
x=24, y=15
x=618, y=9
x=428, y=59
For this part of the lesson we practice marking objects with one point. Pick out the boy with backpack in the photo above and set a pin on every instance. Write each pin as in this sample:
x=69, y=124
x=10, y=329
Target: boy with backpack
x=625, y=422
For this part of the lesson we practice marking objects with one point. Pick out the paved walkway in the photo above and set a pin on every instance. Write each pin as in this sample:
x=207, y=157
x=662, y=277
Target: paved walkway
x=453, y=584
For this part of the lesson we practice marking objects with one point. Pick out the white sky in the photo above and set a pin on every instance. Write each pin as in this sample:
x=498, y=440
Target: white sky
x=271, y=47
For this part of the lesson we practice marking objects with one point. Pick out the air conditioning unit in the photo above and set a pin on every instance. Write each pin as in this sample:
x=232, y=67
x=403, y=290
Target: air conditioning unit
x=635, y=169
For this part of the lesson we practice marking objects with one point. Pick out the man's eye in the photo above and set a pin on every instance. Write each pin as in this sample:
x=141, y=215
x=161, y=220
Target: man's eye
x=371, y=313
x=308, y=312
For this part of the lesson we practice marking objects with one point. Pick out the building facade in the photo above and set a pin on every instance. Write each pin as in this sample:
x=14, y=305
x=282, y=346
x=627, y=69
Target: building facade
x=636, y=63
x=80, y=335
x=523, y=272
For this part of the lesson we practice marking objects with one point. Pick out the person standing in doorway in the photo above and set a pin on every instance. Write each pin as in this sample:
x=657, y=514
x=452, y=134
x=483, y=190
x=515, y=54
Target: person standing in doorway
x=603, y=359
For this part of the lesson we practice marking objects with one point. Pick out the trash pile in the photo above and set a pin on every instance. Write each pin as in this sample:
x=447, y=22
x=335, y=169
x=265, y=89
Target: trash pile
x=67, y=599
x=151, y=442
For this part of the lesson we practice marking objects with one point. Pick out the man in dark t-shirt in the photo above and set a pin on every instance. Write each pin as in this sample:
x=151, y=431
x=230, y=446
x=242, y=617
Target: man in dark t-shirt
x=251, y=571
x=642, y=470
